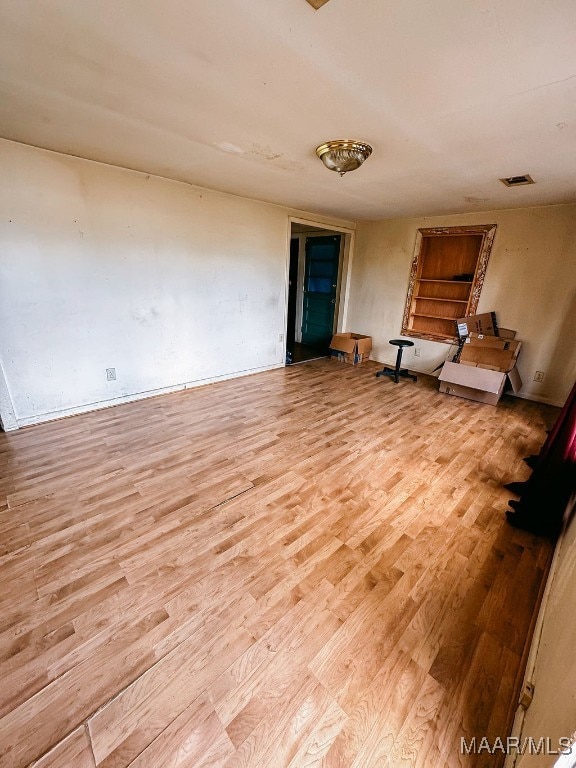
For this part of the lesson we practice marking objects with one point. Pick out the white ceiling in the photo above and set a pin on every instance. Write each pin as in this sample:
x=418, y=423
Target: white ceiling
x=235, y=95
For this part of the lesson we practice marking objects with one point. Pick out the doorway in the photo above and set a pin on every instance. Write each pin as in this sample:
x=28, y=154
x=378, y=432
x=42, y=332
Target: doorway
x=320, y=284
x=313, y=291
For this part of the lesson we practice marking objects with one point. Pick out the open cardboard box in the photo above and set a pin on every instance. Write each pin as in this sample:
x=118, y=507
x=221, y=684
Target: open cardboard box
x=350, y=348
x=490, y=352
x=486, y=364
x=480, y=384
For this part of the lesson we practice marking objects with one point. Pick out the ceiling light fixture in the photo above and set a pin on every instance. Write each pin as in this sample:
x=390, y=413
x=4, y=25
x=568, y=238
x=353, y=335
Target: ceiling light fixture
x=343, y=155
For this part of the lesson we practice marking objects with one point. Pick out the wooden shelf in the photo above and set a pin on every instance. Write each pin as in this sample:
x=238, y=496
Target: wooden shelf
x=434, y=317
x=438, y=298
x=425, y=334
x=440, y=257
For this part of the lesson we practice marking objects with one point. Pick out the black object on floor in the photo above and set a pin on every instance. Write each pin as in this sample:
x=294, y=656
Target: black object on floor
x=531, y=460
x=541, y=527
x=398, y=371
x=548, y=494
x=516, y=487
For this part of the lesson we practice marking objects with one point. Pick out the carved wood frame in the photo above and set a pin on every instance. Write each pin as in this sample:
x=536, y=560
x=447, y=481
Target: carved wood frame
x=487, y=231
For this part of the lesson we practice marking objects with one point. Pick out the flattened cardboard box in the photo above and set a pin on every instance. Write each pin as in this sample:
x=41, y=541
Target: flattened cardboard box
x=474, y=383
x=485, y=323
x=351, y=348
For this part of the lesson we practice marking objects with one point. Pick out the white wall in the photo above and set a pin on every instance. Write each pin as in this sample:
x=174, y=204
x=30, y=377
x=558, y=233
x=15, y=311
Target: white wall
x=530, y=283
x=103, y=267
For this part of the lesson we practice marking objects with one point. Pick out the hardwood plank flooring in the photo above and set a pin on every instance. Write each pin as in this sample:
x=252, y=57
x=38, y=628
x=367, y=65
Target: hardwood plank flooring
x=305, y=567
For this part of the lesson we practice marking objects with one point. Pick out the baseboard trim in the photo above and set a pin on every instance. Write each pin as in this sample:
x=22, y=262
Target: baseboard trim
x=435, y=372
x=42, y=418
x=537, y=399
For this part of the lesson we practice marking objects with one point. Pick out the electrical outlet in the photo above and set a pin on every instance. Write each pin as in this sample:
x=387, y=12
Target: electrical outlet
x=416, y=351
x=539, y=376
x=110, y=374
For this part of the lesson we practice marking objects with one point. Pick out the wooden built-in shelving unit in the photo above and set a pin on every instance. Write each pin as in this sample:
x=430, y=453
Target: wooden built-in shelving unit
x=446, y=277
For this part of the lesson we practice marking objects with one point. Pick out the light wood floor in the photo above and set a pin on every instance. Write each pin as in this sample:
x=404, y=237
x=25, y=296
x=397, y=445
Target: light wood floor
x=306, y=567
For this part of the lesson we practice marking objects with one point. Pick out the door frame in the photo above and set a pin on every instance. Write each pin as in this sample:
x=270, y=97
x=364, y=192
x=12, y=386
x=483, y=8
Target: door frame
x=306, y=241
x=344, y=270
x=8, y=420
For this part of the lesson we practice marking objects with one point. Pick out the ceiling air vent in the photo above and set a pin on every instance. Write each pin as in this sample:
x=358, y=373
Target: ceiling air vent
x=518, y=181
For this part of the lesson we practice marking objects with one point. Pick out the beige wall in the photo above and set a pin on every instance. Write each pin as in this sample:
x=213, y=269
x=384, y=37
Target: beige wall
x=102, y=267
x=530, y=283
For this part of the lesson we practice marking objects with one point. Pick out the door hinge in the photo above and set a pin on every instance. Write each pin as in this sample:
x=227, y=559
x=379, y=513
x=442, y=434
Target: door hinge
x=526, y=695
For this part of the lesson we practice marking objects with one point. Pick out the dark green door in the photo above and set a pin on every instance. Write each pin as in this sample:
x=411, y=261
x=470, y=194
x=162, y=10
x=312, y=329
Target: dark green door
x=320, y=283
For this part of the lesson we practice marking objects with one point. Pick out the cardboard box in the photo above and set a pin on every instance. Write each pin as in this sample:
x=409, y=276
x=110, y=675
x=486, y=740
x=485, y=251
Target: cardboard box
x=487, y=361
x=352, y=348
x=474, y=383
x=485, y=324
x=490, y=352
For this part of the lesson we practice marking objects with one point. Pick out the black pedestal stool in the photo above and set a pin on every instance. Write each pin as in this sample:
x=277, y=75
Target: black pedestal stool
x=398, y=371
